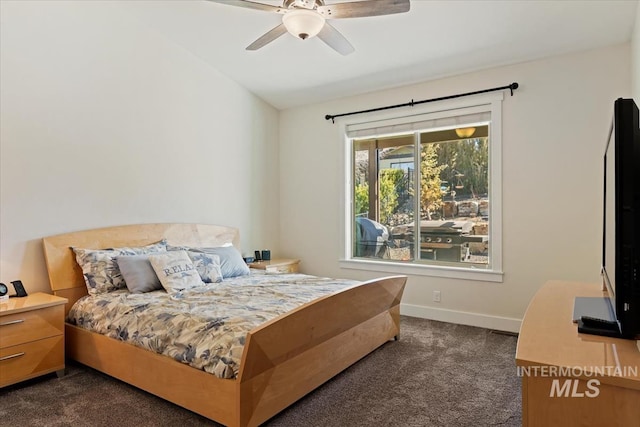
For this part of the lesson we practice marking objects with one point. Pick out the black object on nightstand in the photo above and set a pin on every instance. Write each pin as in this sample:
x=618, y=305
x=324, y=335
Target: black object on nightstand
x=19, y=287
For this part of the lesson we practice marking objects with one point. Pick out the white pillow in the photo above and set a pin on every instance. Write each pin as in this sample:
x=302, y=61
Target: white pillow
x=175, y=271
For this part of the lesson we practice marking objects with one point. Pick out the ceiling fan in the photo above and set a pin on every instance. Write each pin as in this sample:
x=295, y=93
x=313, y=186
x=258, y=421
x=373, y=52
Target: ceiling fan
x=308, y=18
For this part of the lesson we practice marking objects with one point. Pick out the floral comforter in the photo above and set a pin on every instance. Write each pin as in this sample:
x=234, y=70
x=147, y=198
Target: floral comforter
x=204, y=327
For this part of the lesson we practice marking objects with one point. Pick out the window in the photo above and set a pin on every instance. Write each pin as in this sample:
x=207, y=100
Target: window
x=423, y=192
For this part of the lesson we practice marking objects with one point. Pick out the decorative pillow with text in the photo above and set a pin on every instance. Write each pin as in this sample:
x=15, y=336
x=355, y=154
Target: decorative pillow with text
x=175, y=271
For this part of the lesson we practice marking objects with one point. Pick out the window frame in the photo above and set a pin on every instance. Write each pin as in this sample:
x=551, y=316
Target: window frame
x=491, y=103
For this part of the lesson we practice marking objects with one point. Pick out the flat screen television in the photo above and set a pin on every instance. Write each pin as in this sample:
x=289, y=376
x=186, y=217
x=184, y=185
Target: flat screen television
x=621, y=225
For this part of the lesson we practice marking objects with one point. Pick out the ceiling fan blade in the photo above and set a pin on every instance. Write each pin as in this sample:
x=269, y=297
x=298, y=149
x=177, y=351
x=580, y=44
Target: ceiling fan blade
x=251, y=5
x=335, y=40
x=268, y=37
x=361, y=9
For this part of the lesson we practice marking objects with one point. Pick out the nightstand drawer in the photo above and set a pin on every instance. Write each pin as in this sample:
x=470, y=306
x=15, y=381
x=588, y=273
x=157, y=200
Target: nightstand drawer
x=282, y=269
x=277, y=266
x=20, y=328
x=24, y=361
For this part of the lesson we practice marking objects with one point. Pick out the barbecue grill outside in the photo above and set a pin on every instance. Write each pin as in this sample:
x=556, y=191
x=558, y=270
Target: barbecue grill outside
x=441, y=240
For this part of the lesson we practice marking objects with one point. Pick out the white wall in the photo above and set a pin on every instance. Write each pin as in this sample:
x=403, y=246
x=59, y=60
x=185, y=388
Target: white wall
x=554, y=131
x=635, y=57
x=106, y=123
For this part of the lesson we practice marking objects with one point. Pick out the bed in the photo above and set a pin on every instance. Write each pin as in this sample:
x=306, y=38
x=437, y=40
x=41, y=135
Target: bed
x=282, y=359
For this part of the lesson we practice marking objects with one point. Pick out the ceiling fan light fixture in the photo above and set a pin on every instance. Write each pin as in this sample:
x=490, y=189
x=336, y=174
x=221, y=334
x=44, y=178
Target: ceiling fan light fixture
x=302, y=23
x=465, y=132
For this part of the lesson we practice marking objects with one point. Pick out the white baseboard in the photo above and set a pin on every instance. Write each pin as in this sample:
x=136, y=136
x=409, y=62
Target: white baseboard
x=461, y=317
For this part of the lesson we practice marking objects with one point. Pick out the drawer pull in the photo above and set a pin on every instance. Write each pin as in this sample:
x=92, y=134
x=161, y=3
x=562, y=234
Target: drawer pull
x=11, y=356
x=13, y=322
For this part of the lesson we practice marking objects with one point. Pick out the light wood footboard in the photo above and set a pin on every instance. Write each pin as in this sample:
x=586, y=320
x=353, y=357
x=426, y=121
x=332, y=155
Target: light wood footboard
x=293, y=354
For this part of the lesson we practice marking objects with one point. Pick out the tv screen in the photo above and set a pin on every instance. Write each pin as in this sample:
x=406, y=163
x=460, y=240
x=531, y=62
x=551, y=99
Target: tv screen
x=621, y=226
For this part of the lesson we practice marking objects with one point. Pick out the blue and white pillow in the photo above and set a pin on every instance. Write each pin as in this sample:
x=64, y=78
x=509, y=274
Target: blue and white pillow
x=100, y=270
x=231, y=262
x=207, y=265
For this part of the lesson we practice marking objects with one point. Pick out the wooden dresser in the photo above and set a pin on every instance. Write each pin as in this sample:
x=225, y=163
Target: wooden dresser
x=31, y=337
x=569, y=378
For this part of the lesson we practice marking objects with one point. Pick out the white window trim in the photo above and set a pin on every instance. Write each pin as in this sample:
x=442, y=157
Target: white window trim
x=491, y=102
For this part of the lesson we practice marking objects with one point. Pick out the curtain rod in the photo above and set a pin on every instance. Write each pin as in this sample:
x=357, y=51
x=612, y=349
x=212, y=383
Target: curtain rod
x=512, y=87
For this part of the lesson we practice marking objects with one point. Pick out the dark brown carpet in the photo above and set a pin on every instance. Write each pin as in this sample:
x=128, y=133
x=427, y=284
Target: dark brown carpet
x=438, y=374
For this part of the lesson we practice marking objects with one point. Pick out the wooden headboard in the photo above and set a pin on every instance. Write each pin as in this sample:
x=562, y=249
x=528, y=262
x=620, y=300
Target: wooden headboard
x=65, y=276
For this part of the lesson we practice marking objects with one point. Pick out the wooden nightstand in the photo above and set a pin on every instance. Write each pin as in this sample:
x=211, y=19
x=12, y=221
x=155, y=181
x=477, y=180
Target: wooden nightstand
x=282, y=266
x=31, y=337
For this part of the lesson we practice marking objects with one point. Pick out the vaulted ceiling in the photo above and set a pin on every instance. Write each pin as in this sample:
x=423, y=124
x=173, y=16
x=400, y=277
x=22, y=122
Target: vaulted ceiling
x=434, y=39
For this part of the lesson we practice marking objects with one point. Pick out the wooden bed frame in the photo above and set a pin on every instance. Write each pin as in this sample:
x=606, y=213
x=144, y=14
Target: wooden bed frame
x=283, y=359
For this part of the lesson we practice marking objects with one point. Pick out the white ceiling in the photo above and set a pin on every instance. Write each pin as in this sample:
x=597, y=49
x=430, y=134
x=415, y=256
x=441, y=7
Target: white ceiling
x=434, y=39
